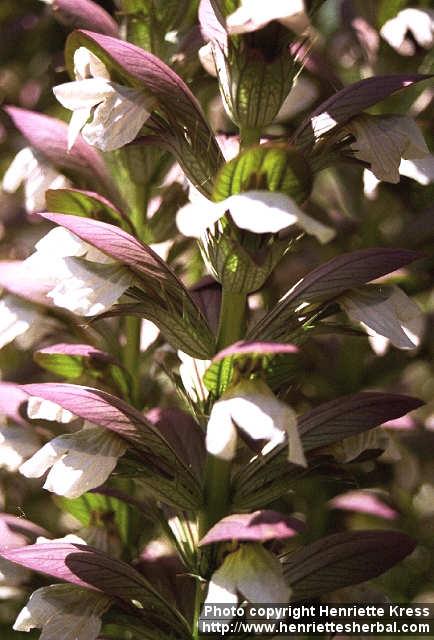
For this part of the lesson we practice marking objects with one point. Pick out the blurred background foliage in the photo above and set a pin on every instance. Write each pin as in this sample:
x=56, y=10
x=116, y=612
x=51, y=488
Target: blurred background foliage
x=402, y=215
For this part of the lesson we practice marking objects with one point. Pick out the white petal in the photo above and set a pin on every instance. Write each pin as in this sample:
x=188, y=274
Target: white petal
x=383, y=140
x=261, y=417
x=322, y=123
x=64, y=611
x=80, y=461
x=266, y=417
x=253, y=15
x=219, y=591
x=256, y=211
x=78, y=120
x=38, y=181
x=149, y=332
x=16, y=445
x=301, y=96
x=253, y=572
x=118, y=119
x=18, y=169
x=90, y=288
x=221, y=435
x=91, y=455
x=42, y=460
x=60, y=242
x=70, y=537
x=420, y=22
x=83, y=94
x=192, y=371
x=194, y=219
x=379, y=344
x=370, y=184
x=60, y=182
x=162, y=249
x=88, y=65
x=270, y=212
x=260, y=575
x=421, y=170
x=206, y=58
x=16, y=317
x=40, y=409
x=393, y=31
x=388, y=312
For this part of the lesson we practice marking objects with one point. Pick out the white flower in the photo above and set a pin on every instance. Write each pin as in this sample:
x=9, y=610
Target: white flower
x=386, y=311
x=302, y=95
x=17, y=443
x=70, y=538
x=79, y=461
x=419, y=22
x=322, y=124
x=108, y=115
x=149, y=332
x=421, y=170
x=251, y=571
x=383, y=141
x=253, y=408
x=256, y=211
x=192, y=371
x=83, y=279
x=40, y=409
x=89, y=289
x=253, y=14
x=16, y=318
x=64, y=612
x=38, y=176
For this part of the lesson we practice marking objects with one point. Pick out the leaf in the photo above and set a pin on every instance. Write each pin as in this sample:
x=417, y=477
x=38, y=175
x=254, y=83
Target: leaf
x=271, y=167
x=327, y=281
x=185, y=130
x=161, y=469
x=75, y=360
x=87, y=567
x=257, y=355
x=86, y=204
x=363, y=502
x=49, y=136
x=344, y=559
x=84, y=14
x=164, y=300
x=266, y=478
x=350, y=415
x=17, y=531
x=259, y=526
x=184, y=435
x=12, y=399
x=352, y=100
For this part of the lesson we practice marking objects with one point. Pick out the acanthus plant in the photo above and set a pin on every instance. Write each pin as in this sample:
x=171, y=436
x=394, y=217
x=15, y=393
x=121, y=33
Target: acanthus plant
x=193, y=500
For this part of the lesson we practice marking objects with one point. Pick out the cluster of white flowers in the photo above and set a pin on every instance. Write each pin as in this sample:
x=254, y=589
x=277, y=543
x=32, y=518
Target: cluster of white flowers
x=79, y=461
x=107, y=114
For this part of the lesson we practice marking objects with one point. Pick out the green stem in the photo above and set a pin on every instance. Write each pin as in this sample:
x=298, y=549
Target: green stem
x=196, y=612
x=131, y=356
x=232, y=318
x=218, y=471
x=249, y=137
x=132, y=325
